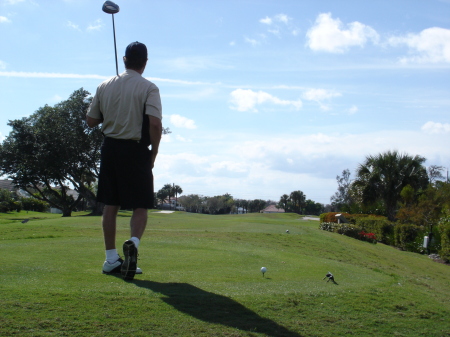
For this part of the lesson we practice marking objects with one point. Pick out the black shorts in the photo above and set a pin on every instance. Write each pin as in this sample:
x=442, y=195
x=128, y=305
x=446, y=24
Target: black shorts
x=126, y=177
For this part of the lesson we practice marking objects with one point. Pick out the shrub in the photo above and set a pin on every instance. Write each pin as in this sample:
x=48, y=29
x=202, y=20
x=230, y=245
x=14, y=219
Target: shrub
x=405, y=236
x=327, y=226
x=348, y=230
x=369, y=237
x=382, y=228
x=342, y=228
x=356, y=218
x=330, y=216
x=444, y=231
x=33, y=204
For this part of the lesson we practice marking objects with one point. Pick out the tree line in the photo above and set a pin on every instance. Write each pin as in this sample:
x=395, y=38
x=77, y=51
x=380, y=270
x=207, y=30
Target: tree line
x=396, y=185
x=227, y=204
x=296, y=202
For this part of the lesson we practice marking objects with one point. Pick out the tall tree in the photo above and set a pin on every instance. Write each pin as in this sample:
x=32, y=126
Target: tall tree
x=342, y=199
x=170, y=192
x=313, y=208
x=284, y=202
x=383, y=176
x=435, y=173
x=52, y=149
x=298, y=200
x=162, y=195
x=176, y=190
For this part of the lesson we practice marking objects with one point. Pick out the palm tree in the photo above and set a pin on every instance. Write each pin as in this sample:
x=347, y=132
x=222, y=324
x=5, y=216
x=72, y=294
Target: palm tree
x=298, y=200
x=284, y=200
x=162, y=195
x=176, y=190
x=168, y=188
x=382, y=178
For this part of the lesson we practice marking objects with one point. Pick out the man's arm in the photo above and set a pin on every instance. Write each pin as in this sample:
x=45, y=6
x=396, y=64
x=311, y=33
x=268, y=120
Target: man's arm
x=93, y=122
x=155, y=126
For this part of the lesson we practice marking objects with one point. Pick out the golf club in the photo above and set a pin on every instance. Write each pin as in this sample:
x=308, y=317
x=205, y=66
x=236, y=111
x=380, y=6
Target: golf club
x=110, y=7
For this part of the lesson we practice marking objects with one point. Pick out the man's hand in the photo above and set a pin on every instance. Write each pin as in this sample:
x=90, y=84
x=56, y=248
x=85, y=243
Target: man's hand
x=93, y=122
x=155, y=126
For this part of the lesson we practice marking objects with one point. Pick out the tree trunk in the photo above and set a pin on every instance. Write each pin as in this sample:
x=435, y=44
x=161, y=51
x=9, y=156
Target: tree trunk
x=67, y=212
x=97, y=209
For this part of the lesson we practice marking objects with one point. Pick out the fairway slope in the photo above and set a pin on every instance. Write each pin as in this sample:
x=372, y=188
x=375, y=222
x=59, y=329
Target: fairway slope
x=201, y=277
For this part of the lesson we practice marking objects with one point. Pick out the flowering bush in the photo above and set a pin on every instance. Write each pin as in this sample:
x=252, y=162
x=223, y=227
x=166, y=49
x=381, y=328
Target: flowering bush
x=369, y=237
x=327, y=226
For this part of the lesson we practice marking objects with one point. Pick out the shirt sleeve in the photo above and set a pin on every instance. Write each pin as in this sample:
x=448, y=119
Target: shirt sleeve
x=94, y=108
x=153, y=105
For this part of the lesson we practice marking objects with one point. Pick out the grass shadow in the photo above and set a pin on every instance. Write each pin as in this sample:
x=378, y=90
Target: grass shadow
x=214, y=308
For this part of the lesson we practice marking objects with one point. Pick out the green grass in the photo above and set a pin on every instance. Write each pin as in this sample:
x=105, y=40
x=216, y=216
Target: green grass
x=202, y=278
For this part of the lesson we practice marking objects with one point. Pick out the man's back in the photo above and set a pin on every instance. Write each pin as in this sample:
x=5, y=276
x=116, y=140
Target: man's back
x=121, y=101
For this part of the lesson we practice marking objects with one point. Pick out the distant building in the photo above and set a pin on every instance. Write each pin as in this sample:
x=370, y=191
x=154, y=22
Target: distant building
x=272, y=209
x=8, y=185
x=171, y=204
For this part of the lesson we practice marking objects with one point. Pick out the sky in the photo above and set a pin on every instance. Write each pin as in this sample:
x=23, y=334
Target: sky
x=262, y=97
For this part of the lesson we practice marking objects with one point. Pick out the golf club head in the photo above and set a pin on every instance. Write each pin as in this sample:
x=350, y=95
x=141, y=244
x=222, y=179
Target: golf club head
x=110, y=7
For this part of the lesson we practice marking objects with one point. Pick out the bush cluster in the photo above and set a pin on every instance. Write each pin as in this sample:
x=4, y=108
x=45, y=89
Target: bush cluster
x=347, y=229
x=444, y=231
x=373, y=228
x=11, y=202
x=331, y=216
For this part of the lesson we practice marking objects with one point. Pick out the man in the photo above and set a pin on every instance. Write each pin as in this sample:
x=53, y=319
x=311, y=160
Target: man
x=129, y=108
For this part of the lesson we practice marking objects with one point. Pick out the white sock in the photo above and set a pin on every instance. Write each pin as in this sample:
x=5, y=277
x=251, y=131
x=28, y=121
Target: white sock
x=136, y=241
x=111, y=255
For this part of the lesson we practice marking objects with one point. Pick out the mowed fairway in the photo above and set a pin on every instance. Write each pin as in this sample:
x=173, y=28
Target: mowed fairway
x=202, y=278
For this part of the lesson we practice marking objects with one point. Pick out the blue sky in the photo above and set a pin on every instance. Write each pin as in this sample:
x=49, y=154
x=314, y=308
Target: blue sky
x=262, y=97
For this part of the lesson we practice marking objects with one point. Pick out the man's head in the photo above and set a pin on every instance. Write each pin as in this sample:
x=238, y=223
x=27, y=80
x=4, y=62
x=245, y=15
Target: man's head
x=135, y=56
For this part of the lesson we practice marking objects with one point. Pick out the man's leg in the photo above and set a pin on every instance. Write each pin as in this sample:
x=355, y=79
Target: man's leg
x=109, y=226
x=113, y=262
x=130, y=247
x=138, y=222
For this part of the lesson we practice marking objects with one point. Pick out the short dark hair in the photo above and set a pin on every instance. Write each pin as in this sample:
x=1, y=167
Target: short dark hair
x=135, y=55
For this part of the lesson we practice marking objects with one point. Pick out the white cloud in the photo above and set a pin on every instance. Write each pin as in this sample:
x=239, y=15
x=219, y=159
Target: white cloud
x=431, y=45
x=320, y=95
x=279, y=23
x=2, y=65
x=265, y=166
x=266, y=21
x=182, y=122
x=49, y=75
x=182, y=139
x=436, y=128
x=73, y=26
x=13, y=2
x=354, y=109
x=282, y=18
x=247, y=100
x=56, y=99
x=195, y=63
x=330, y=35
x=232, y=43
x=252, y=42
x=97, y=25
x=4, y=19
x=180, y=82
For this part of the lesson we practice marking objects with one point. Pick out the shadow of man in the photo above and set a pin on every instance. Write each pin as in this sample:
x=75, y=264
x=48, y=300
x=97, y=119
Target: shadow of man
x=213, y=308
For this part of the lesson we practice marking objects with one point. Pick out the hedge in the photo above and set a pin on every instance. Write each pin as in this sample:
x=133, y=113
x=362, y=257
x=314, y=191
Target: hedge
x=383, y=229
x=444, y=231
x=404, y=236
x=330, y=216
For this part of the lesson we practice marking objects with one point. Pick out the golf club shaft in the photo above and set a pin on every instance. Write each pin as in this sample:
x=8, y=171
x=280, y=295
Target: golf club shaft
x=115, y=48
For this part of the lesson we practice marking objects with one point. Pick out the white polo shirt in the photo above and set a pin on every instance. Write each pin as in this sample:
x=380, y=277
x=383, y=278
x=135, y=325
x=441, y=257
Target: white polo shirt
x=120, y=102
